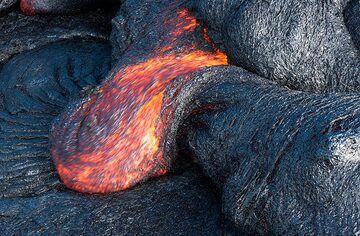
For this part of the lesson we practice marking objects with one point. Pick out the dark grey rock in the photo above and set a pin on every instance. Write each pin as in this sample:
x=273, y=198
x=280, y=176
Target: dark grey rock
x=352, y=20
x=6, y=4
x=20, y=33
x=287, y=162
x=34, y=88
x=63, y=6
x=173, y=205
x=303, y=45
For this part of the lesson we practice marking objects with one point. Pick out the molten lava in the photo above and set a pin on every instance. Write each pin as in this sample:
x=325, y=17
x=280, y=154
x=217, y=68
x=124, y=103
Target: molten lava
x=27, y=7
x=114, y=139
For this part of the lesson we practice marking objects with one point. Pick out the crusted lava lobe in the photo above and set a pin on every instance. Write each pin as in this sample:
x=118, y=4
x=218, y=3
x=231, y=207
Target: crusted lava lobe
x=304, y=45
x=113, y=139
x=286, y=162
x=45, y=62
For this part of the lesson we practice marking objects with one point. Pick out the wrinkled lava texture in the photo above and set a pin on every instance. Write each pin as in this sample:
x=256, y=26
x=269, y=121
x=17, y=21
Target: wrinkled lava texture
x=32, y=7
x=304, y=45
x=134, y=102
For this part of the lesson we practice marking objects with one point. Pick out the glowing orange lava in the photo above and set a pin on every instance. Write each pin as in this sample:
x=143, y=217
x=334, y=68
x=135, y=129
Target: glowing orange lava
x=114, y=139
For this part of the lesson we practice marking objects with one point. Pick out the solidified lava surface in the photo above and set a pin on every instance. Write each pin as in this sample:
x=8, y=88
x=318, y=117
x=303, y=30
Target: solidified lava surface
x=114, y=138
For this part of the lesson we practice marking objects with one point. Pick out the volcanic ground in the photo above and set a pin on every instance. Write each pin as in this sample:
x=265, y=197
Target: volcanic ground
x=179, y=117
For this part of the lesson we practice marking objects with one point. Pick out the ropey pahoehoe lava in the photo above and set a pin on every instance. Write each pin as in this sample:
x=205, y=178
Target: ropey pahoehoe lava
x=114, y=138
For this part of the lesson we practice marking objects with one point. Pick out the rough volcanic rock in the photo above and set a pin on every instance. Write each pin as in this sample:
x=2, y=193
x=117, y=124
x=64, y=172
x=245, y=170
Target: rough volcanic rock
x=303, y=45
x=34, y=87
x=20, y=33
x=6, y=4
x=287, y=162
x=173, y=205
x=352, y=20
x=62, y=6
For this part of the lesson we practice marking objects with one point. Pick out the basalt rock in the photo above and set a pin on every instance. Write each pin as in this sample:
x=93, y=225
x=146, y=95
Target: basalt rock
x=6, y=4
x=62, y=6
x=352, y=20
x=304, y=45
x=34, y=87
x=287, y=162
x=175, y=205
x=20, y=33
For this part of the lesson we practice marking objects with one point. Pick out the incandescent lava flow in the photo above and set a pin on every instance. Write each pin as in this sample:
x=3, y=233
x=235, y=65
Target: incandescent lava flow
x=114, y=138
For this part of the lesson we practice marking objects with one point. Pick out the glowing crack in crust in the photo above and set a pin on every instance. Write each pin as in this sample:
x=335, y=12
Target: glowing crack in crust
x=114, y=139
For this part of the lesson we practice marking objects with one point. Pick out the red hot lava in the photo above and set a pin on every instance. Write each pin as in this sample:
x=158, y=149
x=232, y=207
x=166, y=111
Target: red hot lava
x=27, y=7
x=114, y=139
